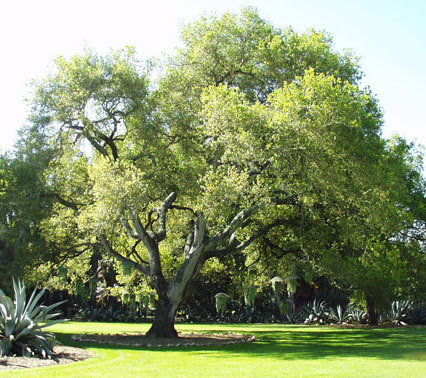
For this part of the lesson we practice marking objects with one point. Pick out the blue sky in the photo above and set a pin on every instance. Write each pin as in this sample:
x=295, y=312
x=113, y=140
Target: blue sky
x=388, y=36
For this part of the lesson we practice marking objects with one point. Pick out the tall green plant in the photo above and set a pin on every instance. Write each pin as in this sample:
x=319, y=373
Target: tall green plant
x=249, y=295
x=221, y=302
x=22, y=323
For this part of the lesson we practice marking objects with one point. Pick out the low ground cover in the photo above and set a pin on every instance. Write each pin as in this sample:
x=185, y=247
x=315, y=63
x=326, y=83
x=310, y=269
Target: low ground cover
x=279, y=350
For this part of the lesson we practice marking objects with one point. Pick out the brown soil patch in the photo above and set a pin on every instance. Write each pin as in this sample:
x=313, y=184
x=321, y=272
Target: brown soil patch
x=61, y=355
x=184, y=339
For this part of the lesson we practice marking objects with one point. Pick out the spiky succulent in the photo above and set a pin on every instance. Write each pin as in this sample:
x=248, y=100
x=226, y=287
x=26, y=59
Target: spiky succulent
x=22, y=323
x=339, y=314
x=357, y=315
x=399, y=311
x=317, y=312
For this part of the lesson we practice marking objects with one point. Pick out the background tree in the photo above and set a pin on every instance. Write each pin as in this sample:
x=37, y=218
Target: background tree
x=23, y=204
x=391, y=265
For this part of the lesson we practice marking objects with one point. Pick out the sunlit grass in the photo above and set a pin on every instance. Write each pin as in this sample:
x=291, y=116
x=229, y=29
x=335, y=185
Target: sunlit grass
x=280, y=351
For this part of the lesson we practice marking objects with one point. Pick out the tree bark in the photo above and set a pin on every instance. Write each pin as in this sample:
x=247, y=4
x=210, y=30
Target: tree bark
x=371, y=312
x=163, y=325
x=164, y=319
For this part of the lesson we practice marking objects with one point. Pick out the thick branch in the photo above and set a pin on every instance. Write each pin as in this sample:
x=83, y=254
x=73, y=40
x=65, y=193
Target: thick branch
x=177, y=207
x=95, y=144
x=63, y=201
x=144, y=235
x=234, y=247
x=165, y=206
x=130, y=231
x=151, y=244
x=189, y=241
x=199, y=231
x=144, y=270
x=237, y=222
x=194, y=260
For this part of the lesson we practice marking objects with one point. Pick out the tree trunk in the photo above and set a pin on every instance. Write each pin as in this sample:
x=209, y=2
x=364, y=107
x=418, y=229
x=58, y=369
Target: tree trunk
x=163, y=325
x=371, y=312
x=292, y=304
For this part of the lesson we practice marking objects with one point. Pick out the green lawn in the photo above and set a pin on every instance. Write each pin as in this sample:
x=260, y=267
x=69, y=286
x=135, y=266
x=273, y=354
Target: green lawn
x=280, y=351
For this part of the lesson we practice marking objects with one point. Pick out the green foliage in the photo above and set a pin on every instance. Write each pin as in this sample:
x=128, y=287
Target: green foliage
x=22, y=323
x=247, y=52
x=127, y=269
x=245, y=118
x=277, y=284
x=24, y=202
x=221, y=302
x=249, y=295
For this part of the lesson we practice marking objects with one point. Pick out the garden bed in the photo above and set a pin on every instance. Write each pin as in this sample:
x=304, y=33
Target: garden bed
x=61, y=355
x=184, y=339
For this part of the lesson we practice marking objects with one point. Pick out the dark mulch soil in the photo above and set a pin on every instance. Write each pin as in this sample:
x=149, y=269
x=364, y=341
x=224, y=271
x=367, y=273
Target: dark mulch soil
x=61, y=355
x=184, y=339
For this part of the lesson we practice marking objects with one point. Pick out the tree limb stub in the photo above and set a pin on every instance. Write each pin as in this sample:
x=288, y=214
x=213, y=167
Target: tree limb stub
x=189, y=242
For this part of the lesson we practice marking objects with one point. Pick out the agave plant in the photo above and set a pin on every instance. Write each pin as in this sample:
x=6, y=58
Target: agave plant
x=22, y=323
x=317, y=312
x=398, y=313
x=357, y=315
x=339, y=314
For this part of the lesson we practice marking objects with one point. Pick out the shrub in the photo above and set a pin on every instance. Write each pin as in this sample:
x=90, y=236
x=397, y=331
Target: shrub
x=22, y=324
x=418, y=315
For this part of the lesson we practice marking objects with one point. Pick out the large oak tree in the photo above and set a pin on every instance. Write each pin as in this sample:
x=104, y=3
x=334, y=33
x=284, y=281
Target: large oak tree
x=251, y=133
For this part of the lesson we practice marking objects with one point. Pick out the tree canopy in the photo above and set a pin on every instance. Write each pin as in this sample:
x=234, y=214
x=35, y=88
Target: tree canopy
x=252, y=139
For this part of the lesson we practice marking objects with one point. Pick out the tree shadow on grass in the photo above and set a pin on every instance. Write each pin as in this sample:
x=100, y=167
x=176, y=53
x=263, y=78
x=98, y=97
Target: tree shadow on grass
x=304, y=344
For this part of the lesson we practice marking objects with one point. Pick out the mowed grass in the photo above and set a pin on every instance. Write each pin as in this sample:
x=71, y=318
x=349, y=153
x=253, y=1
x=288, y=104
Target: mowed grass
x=281, y=351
